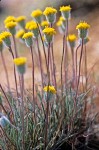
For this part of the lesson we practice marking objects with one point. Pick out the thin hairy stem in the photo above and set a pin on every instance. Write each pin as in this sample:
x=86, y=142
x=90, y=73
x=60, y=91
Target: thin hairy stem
x=6, y=72
x=40, y=61
x=7, y=100
x=33, y=83
x=43, y=46
x=81, y=54
x=22, y=112
x=16, y=52
x=47, y=107
x=53, y=60
x=66, y=54
x=62, y=66
x=15, y=77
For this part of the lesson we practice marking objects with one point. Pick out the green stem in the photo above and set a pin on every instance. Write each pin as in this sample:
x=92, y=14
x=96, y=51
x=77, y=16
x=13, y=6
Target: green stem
x=7, y=100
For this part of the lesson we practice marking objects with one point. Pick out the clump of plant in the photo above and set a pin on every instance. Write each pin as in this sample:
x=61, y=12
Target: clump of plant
x=45, y=118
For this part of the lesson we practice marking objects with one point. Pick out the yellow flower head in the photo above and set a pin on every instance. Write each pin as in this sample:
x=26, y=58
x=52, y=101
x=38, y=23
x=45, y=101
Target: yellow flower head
x=20, y=33
x=50, y=89
x=30, y=23
x=36, y=13
x=20, y=61
x=71, y=38
x=9, y=19
x=59, y=23
x=83, y=25
x=33, y=26
x=5, y=35
x=65, y=8
x=61, y=19
x=10, y=25
x=44, y=24
x=20, y=18
x=1, y=42
x=49, y=31
x=49, y=11
x=27, y=35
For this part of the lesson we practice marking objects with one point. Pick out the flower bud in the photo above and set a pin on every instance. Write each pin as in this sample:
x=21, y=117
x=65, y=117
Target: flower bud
x=20, y=64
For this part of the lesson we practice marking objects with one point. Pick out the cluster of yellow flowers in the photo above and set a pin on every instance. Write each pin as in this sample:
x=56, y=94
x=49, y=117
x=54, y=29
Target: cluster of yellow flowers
x=32, y=28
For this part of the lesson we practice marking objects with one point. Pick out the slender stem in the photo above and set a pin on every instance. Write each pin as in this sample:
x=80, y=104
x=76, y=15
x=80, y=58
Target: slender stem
x=86, y=67
x=22, y=112
x=33, y=83
x=40, y=62
x=15, y=77
x=16, y=52
x=7, y=136
x=5, y=68
x=73, y=67
x=76, y=58
x=43, y=46
x=62, y=66
x=3, y=108
x=7, y=99
x=79, y=67
x=55, y=84
x=51, y=68
x=47, y=107
x=66, y=54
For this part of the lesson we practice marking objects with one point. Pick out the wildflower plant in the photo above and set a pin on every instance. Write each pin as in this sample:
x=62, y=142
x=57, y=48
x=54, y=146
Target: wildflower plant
x=50, y=14
x=21, y=21
x=55, y=112
x=37, y=15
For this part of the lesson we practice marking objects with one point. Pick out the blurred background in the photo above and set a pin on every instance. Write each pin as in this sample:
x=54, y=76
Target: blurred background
x=87, y=10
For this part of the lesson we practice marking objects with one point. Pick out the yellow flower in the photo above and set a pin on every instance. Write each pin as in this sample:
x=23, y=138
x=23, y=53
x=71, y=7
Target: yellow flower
x=29, y=24
x=50, y=89
x=5, y=35
x=49, y=31
x=9, y=19
x=27, y=35
x=83, y=25
x=44, y=23
x=20, y=18
x=1, y=42
x=33, y=26
x=59, y=23
x=10, y=25
x=65, y=8
x=61, y=19
x=20, y=61
x=20, y=33
x=71, y=38
x=36, y=13
x=49, y=11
